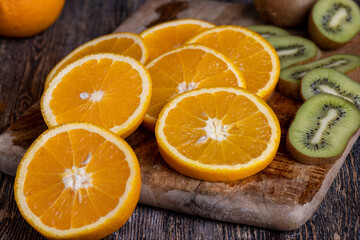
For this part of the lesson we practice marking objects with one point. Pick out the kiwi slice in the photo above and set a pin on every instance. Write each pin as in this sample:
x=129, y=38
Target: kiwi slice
x=289, y=81
x=332, y=23
x=322, y=128
x=268, y=30
x=325, y=80
x=294, y=50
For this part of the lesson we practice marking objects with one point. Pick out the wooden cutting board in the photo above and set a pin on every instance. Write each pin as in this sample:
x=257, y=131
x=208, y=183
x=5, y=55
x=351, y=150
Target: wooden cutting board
x=282, y=197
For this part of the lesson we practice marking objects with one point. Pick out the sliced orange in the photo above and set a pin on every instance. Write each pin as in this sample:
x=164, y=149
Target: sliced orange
x=129, y=44
x=76, y=181
x=253, y=54
x=218, y=134
x=170, y=35
x=108, y=90
x=186, y=68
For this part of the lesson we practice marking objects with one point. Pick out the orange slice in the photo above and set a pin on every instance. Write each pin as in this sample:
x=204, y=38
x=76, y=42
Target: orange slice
x=255, y=57
x=170, y=35
x=129, y=44
x=187, y=68
x=218, y=134
x=76, y=181
x=108, y=90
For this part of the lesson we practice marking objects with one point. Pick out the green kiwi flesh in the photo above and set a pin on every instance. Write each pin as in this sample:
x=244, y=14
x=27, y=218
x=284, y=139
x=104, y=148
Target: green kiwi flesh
x=334, y=22
x=289, y=81
x=322, y=128
x=325, y=80
x=268, y=30
x=292, y=49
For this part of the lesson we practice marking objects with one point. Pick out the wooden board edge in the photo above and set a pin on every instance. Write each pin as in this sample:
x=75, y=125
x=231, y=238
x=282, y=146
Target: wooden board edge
x=309, y=208
x=243, y=209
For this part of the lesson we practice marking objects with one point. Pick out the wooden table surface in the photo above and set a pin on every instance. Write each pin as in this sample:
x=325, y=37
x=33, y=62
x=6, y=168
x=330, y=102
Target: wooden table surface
x=24, y=63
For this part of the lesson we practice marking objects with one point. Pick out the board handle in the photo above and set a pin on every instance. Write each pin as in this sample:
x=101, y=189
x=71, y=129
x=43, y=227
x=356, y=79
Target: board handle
x=16, y=139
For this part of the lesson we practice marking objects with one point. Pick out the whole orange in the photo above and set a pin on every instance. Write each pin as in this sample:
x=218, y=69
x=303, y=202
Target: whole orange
x=23, y=18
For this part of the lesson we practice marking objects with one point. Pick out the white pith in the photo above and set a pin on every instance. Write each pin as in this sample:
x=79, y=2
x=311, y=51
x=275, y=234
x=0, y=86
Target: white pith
x=327, y=89
x=76, y=178
x=331, y=115
x=97, y=96
x=22, y=172
x=286, y=52
x=334, y=64
x=216, y=130
x=184, y=87
x=338, y=17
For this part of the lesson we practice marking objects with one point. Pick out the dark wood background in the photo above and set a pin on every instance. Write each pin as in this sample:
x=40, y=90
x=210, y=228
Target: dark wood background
x=24, y=63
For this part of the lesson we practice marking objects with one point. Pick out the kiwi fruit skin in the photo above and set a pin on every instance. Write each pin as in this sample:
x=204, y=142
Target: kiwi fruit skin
x=335, y=136
x=268, y=30
x=340, y=84
x=289, y=84
x=307, y=50
x=329, y=41
x=283, y=13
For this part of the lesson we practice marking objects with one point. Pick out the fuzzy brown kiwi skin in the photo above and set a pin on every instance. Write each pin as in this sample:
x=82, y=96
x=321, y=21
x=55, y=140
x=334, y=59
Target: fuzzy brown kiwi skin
x=282, y=13
x=320, y=39
x=304, y=159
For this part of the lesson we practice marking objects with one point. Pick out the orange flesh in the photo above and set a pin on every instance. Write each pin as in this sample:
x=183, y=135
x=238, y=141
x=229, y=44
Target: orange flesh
x=185, y=67
x=247, y=54
x=124, y=46
x=247, y=130
x=66, y=207
x=169, y=38
x=119, y=84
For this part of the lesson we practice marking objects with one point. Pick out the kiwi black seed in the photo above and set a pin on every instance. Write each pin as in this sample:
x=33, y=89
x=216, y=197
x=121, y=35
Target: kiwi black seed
x=325, y=80
x=332, y=23
x=294, y=50
x=284, y=13
x=322, y=128
x=268, y=30
x=289, y=81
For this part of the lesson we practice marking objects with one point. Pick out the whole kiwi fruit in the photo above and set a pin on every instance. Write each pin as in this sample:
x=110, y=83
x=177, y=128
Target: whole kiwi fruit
x=284, y=13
